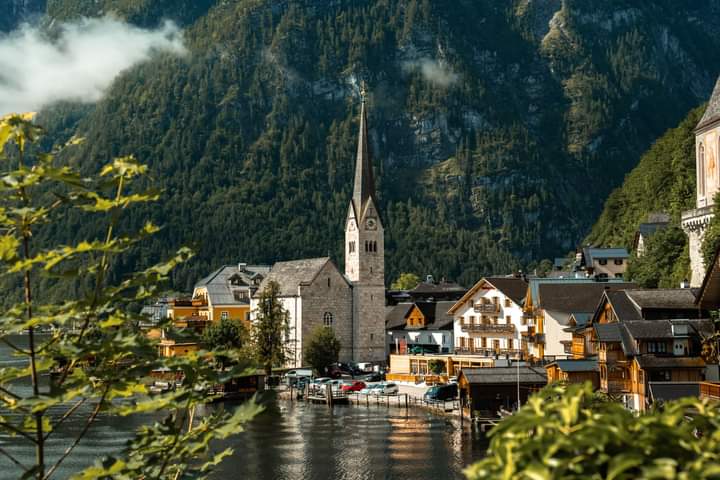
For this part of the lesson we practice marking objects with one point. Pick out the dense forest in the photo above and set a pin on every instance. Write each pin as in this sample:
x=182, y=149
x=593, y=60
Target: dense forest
x=663, y=182
x=498, y=128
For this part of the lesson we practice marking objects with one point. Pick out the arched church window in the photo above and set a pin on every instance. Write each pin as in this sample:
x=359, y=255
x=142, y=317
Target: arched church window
x=328, y=319
x=701, y=170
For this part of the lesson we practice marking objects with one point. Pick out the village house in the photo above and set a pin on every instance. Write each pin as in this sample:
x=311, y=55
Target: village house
x=643, y=339
x=656, y=222
x=552, y=302
x=427, y=291
x=603, y=263
x=489, y=319
x=419, y=327
x=574, y=371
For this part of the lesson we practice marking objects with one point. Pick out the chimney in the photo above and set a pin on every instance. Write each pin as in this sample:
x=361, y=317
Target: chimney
x=242, y=267
x=429, y=279
x=685, y=284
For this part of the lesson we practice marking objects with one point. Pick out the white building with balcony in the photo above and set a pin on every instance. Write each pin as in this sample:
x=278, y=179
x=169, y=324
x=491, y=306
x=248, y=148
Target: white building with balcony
x=489, y=321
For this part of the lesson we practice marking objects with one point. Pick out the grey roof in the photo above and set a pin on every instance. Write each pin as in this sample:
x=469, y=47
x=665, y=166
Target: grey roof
x=577, y=365
x=442, y=287
x=436, y=315
x=500, y=375
x=673, y=390
x=290, y=275
x=647, y=229
x=624, y=308
x=669, y=361
x=667, y=298
x=712, y=112
x=219, y=287
x=592, y=253
x=564, y=299
x=616, y=333
x=648, y=329
x=513, y=287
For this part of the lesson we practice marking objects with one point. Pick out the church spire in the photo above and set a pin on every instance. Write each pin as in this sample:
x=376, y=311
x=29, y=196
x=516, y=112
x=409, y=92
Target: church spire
x=364, y=180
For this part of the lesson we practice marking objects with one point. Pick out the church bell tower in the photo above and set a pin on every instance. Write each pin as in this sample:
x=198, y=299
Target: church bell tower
x=365, y=255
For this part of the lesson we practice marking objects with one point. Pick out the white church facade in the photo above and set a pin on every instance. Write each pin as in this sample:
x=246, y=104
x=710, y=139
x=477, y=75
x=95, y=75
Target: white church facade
x=314, y=292
x=707, y=149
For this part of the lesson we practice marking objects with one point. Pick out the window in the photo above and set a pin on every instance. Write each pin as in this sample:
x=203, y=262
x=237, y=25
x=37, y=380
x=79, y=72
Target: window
x=602, y=261
x=328, y=319
x=483, y=342
x=224, y=315
x=619, y=261
x=351, y=247
x=508, y=303
x=372, y=335
x=472, y=319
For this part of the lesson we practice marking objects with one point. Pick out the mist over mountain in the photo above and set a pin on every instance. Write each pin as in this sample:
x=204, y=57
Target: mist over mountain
x=498, y=129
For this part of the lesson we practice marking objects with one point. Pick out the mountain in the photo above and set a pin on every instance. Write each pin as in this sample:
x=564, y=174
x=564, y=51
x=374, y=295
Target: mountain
x=498, y=128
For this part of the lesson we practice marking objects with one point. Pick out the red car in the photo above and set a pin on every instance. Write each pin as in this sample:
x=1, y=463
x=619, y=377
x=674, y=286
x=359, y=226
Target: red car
x=353, y=387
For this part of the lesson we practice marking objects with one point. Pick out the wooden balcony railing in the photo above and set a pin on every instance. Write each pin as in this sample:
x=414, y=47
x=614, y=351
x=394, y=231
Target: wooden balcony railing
x=710, y=390
x=619, y=386
x=486, y=308
x=488, y=328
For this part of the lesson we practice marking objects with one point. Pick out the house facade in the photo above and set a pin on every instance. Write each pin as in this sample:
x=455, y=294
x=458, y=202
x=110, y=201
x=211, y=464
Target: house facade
x=419, y=327
x=489, y=319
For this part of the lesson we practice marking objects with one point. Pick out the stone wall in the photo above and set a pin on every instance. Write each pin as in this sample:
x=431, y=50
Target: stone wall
x=369, y=313
x=328, y=293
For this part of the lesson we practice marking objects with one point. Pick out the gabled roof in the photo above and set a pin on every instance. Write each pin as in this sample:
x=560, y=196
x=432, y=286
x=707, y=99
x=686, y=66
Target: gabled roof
x=217, y=284
x=616, y=333
x=663, y=298
x=669, y=361
x=535, y=283
x=513, y=287
x=576, y=365
x=292, y=274
x=667, y=391
x=427, y=288
x=563, y=299
x=435, y=313
x=504, y=375
x=712, y=111
x=622, y=305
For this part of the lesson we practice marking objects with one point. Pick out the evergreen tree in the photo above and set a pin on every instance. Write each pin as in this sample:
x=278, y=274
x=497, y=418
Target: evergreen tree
x=271, y=329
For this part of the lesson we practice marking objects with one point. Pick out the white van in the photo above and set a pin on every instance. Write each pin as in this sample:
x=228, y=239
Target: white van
x=292, y=376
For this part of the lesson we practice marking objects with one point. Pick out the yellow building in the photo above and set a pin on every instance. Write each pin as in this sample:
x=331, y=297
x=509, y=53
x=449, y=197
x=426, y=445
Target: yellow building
x=175, y=345
x=226, y=292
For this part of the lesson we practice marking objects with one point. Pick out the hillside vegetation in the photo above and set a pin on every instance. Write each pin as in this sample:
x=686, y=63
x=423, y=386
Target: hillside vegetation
x=498, y=128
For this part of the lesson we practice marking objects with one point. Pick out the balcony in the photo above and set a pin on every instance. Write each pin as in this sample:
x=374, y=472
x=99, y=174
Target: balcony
x=537, y=338
x=489, y=352
x=487, y=308
x=710, y=390
x=488, y=328
x=619, y=385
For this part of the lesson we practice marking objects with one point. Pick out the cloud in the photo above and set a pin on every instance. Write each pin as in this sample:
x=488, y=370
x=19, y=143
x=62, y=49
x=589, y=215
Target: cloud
x=432, y=71
x=78, y=65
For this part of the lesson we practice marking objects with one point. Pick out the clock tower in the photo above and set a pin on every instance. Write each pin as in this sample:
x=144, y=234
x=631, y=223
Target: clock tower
x=365, y=256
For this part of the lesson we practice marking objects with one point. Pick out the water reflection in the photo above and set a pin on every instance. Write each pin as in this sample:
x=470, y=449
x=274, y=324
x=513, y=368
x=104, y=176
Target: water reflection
x=298, y=440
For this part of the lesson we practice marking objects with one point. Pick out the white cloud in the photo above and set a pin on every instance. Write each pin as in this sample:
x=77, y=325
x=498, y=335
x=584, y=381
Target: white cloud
x=78, y=65
x=432, y=71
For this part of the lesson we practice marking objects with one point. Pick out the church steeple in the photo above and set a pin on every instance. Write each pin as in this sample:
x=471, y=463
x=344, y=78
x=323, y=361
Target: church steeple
x=364, y=180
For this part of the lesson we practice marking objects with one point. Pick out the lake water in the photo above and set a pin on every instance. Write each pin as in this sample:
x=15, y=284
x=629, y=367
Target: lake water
x=294, y=440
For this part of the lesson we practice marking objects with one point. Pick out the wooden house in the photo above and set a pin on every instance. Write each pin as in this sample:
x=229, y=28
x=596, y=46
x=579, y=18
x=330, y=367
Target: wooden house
x=485, y=391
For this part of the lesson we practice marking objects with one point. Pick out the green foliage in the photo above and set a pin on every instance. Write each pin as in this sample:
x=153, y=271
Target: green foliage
x=565, y=433
x=665, y=263
x=270, y=329
x=663, y=181
x=323, y=349
x=711, y=239
x=227, y=334
x=436, y=366
x=406, y=281
x=254, y=130
x=91, y=346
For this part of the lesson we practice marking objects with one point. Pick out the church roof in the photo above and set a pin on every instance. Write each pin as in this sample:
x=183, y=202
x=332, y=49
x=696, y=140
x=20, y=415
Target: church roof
x=292, y=274
x=364, y=188
x=712, y=112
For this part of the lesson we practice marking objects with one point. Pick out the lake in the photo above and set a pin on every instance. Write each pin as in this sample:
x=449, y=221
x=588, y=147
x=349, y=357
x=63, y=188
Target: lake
x=294, y=440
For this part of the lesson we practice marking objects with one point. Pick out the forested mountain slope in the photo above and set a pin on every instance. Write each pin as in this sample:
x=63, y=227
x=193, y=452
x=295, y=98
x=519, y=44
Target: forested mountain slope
x=498, y=128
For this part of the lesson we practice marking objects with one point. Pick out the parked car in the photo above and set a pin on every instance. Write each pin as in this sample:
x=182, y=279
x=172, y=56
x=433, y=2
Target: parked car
x=371, y=389
x=440, y=393
x=386, y=389
x=355, y=386
x=336, y=384
x=291, y=377
x=372, y=377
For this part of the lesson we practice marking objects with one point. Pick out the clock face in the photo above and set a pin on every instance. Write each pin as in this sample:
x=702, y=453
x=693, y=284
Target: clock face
x=351, y=225
x=371, y=223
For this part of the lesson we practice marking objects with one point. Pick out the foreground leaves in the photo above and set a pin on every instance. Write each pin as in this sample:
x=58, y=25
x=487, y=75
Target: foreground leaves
x=566, y=433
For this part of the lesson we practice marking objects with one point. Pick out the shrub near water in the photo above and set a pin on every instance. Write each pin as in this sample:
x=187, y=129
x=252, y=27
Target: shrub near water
x=571, y=433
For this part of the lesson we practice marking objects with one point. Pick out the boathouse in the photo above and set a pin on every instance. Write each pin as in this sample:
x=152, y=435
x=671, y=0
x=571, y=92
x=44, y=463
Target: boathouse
x=485, y=391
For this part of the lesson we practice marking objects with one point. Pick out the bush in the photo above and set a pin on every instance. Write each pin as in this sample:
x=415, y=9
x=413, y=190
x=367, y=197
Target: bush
x=571, y=433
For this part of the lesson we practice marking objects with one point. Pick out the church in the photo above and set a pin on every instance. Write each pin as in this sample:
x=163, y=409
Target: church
x=707, y=148
x=314, y=291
